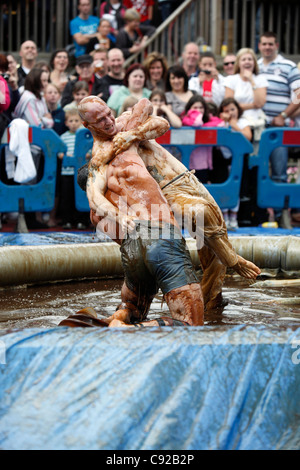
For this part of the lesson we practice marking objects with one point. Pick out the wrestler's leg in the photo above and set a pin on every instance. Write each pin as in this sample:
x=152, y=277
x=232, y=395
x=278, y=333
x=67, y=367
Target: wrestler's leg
x=214, y=273
x=186, y=304
x=134, y=307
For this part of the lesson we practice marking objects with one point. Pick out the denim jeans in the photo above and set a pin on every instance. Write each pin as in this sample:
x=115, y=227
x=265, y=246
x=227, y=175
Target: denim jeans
x=279, y=160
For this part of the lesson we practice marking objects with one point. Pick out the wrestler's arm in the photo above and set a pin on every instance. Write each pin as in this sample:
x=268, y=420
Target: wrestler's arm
x=96, y=189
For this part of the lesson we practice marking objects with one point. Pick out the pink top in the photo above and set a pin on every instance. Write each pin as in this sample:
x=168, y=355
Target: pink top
x=5, y=99
x=201, y=157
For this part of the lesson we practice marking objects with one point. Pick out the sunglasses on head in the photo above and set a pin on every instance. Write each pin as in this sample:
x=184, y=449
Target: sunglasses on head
x=228, y=63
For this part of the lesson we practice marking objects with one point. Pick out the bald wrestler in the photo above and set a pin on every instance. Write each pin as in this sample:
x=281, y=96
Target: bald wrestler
x=153, y=251
x=179, y=186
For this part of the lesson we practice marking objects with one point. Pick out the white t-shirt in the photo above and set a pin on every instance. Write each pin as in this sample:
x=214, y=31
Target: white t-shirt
x=243, y=91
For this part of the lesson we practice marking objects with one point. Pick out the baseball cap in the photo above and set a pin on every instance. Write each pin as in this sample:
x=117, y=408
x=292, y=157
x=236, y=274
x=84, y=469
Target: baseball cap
x=84, y=59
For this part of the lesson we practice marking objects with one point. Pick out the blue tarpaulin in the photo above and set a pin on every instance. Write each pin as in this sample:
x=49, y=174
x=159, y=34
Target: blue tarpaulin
x=152, y=389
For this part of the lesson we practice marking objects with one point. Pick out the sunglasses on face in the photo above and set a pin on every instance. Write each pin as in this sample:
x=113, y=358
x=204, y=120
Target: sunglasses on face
x=228, y=63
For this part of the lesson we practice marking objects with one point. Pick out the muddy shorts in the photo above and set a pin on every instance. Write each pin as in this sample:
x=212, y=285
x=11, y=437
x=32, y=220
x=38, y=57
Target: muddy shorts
x=156, y=258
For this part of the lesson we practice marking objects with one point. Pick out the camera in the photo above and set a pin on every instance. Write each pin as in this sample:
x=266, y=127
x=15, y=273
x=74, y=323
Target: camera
x=6, y=76
x=207, y=72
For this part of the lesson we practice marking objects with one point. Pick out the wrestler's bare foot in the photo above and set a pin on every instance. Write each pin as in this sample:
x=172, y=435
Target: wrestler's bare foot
x=246, y=269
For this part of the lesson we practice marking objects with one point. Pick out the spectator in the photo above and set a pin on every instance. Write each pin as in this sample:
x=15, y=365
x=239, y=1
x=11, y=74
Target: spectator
x=80, y=91
x=144, y=7
x=177, y=92
x=32, y=106
x=85, y=71
x=161, y=108
x=156, y=66
x=100, y=62
x=83, y=28
x=134, y=85
x=103, y=38
x=249, y=89
x=190, y=59
x=28, y=53
x=12, y=71
x=228, y=64
x=283, y=80
x=232, y=114
x=115, y=77
x=196, y=114
x=4, y=94
x=209, y=83
x=114, y=12
x=8, y=67
x=52, y=97
x=71, y=217
x=59, y=64
x=133, y=36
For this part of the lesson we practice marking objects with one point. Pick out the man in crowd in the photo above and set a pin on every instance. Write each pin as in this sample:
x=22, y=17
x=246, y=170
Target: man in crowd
x=228, y=64
x=114, y=79
x=83, y=27
x=190, y=59
x=284, y=84
x=85, y=71
x=28, y=53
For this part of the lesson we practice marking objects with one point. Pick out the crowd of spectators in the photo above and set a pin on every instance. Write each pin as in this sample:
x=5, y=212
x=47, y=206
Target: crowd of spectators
x=246, y=94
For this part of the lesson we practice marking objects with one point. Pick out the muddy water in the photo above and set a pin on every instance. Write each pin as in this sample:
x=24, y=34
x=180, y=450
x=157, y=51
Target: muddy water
x=45, y=306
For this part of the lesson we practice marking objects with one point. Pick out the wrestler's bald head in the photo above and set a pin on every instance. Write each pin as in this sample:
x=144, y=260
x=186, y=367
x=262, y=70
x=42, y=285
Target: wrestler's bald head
x=97, y=117
x=89, y=107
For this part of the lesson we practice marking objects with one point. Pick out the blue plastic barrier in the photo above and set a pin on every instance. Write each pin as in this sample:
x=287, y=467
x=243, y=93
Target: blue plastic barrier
x=278, y=195
x=191, y=388
x=40, y=196
x=186, y=140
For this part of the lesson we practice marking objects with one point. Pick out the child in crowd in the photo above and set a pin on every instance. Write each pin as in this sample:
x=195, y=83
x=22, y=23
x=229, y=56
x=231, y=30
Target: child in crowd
x=52, y=97
x=197, y=115
x=209, y=83
x=80, y=91
x=68, y=211
x=161, y=108
x=128, y=104
x=232, y=114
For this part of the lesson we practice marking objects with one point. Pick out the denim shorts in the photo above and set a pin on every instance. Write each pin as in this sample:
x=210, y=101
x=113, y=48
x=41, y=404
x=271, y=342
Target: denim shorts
x=156, y=258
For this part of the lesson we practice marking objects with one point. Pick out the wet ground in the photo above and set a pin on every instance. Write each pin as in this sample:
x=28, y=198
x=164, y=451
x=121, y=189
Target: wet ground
x=45, y=306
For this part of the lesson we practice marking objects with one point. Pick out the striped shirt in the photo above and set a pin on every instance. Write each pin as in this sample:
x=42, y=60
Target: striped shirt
x=284, y=78
x=69, y=139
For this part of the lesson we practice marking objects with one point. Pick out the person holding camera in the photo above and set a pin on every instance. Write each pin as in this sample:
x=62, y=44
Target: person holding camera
x=209, y=83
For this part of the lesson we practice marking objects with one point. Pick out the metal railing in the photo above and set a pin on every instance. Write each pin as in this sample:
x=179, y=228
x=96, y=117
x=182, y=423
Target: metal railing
x=238, y=23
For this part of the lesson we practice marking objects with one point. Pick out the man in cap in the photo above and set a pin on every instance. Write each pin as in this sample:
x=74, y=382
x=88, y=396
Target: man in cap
x=86, y=72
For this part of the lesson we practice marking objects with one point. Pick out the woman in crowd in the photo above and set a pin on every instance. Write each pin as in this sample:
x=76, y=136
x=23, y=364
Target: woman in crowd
x=249, y=89
x=177, y=92
x=156, y=67
x=104, y=38
x=162, y=109
x=59, y=64
x=134, y=85
x=32, y=107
